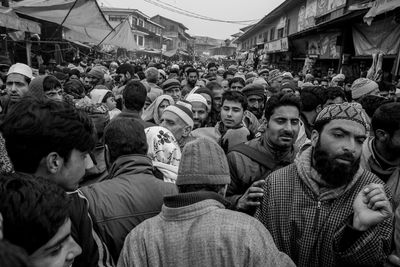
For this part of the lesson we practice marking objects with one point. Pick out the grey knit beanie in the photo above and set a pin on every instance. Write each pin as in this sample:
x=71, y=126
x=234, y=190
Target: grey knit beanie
x=203, y=162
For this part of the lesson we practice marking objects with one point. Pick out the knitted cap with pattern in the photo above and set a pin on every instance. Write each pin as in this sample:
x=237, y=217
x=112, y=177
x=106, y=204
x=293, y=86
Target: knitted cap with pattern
x=203, y=162
x=170, y=84
x=183, y=110
x=343, y=111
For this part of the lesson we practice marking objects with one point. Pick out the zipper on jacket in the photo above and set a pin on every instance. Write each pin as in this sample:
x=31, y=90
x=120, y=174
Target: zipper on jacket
x=316, y=218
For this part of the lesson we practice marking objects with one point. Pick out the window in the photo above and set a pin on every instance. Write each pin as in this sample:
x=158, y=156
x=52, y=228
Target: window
x=288, y=27
x=141, y=23
x=171, y=28
x=280, y=33
x=116, y=18
x=266, y=36
x=272, y=34
x=260, y=36
x=134, y=21
x=135, y=37
x=141, y=41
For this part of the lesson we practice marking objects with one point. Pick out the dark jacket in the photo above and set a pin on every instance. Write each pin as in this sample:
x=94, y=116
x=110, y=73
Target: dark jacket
x=245, y=171
x=130, y=196
x=126, y=113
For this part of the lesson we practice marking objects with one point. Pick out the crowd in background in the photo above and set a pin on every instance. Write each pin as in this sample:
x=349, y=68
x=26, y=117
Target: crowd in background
x=141, y=163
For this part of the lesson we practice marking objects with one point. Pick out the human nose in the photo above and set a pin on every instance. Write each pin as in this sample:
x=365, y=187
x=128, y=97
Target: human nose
x=75, y=250
x=350, y=145
x=195, y=115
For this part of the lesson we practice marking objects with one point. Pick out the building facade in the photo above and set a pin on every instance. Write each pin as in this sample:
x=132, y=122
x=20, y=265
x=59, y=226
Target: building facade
x=176, y=32
x=147, y=33
x=326, y=34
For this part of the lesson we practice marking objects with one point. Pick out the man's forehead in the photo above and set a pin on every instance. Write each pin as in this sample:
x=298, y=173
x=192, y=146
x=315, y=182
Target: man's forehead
x=349, y=126
x=291, y=112
x=15, y=77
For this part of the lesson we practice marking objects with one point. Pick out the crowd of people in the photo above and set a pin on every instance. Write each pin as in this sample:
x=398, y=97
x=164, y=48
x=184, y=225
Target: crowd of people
x=192, y=164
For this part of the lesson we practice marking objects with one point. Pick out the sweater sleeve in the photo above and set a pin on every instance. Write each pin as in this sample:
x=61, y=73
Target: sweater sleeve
x=368, y=248
x=133, y=252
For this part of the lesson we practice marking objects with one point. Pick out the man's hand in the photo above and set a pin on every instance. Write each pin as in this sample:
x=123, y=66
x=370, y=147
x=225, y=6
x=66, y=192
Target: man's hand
x=252, y=197
x=371, y=207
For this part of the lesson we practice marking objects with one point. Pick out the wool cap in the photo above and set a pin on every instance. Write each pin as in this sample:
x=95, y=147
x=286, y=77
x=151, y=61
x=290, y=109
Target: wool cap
x=20, y=68
x=287, y=75
x=288, y=84
x=96, y=73
x=203, y=162
x=362, y=87
x=262, y=71
x=345, y=111
x=250, y=74
x=196, y=98
x=183, y=110
x=339, y=78
x=170, y=84
x=260, y=81
x=273, y=75
x=253, y=89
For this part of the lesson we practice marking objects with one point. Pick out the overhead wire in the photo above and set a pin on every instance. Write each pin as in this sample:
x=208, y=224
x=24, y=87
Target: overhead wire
x=184, y=12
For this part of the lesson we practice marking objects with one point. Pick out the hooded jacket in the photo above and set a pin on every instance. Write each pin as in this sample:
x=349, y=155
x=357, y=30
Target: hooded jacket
x=131, y=195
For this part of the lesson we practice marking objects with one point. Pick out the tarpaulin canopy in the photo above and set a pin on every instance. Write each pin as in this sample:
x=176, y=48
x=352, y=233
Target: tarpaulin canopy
x=82, y=20
x=85, y=13
x=380, y=7
x=9, y=19
x=121, y=36
x=382, y=37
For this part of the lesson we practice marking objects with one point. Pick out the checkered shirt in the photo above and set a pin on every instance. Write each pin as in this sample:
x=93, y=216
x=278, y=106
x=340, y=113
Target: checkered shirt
x=310, y=231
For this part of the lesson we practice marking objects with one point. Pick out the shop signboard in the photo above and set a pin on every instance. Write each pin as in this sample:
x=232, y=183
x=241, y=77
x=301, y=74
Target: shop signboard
x=323, y=46
x=327, y=6
x=280, y=45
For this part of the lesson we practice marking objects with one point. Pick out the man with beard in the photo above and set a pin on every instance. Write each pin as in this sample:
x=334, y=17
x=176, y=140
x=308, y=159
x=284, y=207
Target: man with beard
x=199, y=109
x=325, y=210
x=255, y=99
x=381, y=152
x=251, y=162
x=191, y=79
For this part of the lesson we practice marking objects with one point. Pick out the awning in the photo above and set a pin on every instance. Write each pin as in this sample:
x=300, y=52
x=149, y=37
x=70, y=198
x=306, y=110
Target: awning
x=10, y=20
x=85, y=13
x=83, y=21
x=380, y=7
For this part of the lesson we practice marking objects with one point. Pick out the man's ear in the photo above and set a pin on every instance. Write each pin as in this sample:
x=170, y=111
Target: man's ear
x=128, y=75
x=186, y=131
x=314, y=138
x=53, y=162
x=318, y=109
x=381, y=135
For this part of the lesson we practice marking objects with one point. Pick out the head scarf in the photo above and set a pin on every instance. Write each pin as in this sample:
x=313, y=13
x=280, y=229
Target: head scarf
x=164, y=151
x=152, y=111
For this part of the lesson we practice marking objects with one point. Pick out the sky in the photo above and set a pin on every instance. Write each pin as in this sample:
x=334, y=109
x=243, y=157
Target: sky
x=233, y=10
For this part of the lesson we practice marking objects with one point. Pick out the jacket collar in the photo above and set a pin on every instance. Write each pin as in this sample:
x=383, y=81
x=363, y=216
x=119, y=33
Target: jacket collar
x=131, y=164
x=186, y=199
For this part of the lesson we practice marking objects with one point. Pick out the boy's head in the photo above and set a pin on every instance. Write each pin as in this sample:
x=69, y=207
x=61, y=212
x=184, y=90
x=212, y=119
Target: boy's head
x=50, y=139
x=234, y=104
x=35, y=213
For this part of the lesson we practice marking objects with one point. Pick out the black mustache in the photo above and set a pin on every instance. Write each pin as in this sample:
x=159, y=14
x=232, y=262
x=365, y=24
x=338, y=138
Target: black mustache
x=291, y=135
x=346, y=156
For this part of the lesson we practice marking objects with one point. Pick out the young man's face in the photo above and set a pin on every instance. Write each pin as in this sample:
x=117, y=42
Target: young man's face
x=111, y=104
x=283, y=126
x=213, y=71
x=231, y=113
x=199, y=114
x=237, y=86
x=55, y=94
x=16, y=86
x=71, y=171
x=59, y=251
